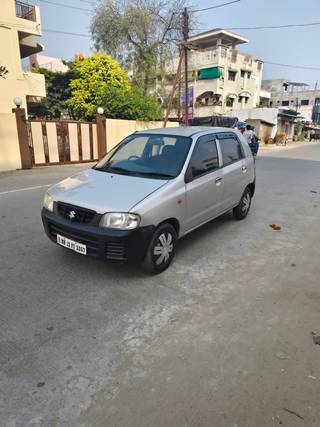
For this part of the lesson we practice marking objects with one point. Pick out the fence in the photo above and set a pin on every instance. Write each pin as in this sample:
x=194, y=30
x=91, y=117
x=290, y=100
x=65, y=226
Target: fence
x=55, y=142
x=27, y=143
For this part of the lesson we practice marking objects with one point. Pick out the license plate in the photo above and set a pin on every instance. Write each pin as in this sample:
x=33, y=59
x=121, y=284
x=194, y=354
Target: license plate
x=71, y=244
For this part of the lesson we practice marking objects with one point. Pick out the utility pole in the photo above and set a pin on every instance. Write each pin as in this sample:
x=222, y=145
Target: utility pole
x=176, y=81
x=179, y=99
x=185, y=32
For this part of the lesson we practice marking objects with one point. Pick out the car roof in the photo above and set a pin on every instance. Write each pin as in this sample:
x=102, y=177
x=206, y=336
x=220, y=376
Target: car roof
x=185, y=131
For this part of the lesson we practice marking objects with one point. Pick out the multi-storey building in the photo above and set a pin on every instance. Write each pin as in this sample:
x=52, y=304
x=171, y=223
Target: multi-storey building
x=296, y=96
x=20, y=29
x=221, y=78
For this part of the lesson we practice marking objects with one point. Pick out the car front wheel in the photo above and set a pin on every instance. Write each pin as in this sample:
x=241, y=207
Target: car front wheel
x=161, y=249
x=242, y=210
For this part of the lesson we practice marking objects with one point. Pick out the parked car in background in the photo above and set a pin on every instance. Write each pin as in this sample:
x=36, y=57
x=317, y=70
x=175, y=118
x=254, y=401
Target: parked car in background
x=150, y=190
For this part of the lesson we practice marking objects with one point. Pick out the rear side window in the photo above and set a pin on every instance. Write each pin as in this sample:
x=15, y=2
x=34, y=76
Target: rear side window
x=231, y=150
x=205, y=156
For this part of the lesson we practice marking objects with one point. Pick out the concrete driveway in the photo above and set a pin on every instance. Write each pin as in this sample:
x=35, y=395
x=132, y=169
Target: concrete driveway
x=221, y=339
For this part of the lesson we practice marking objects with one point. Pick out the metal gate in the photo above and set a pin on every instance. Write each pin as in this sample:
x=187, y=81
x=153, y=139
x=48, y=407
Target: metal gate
x=56, y=142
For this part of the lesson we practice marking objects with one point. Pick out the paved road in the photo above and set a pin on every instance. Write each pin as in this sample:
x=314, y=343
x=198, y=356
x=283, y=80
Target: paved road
x=221, y=339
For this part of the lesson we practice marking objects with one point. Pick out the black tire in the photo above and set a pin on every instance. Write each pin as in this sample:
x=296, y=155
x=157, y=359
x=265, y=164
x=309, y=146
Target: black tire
x=242, y=210
x=165, y=239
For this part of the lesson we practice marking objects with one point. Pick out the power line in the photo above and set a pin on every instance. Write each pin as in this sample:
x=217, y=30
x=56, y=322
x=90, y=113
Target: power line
x=275, y=26
x=215, y=7
x=66, y=5
x=310, y=24
x=293, y=66
x=47, y=30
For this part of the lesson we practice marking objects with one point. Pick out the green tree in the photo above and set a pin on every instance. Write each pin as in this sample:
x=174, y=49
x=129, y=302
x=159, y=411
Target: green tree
x=299, y=134
x=54, y=106
x=140, y=34
x=94, y=76
x=130, y=104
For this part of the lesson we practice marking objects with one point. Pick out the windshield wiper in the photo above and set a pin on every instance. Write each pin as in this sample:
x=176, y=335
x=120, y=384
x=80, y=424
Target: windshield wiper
x=115, y=169
x=123, y=171
x=157, y=174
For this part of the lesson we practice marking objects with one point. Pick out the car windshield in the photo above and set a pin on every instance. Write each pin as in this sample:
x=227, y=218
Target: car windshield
x=147, y=155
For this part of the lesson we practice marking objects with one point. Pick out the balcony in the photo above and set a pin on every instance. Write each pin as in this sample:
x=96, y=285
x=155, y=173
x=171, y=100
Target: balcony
x=208, y=110
x=29, y=45
x=35, y=87
x=25, y=11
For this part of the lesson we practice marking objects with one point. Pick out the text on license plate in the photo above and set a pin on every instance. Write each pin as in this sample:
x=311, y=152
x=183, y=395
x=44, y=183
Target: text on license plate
x=71, y=244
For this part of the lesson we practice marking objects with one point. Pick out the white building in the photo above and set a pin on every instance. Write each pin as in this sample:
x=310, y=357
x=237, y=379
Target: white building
x=294, y=95
x=48, y=62
x=221, y=78
x=268, y=122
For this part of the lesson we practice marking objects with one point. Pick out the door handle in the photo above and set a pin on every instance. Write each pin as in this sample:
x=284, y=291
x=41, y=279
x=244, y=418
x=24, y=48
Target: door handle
x=218, y=180
x=244, y=169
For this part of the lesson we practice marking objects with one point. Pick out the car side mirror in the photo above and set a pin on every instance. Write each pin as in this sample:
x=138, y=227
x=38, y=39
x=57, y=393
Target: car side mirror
x=188, y=177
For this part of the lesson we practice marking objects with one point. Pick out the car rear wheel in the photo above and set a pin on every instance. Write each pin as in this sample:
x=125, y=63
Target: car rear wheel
x=161, y=249
x=242, y=210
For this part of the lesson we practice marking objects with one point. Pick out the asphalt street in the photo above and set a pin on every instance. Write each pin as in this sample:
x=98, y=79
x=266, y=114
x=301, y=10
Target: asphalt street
x=221, y=339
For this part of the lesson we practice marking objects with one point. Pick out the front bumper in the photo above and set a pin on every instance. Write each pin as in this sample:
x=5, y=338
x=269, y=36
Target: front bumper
x=107, y=244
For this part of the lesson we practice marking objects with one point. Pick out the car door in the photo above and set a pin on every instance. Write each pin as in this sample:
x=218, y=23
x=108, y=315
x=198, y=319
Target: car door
x=204, y=183
x=233, y=167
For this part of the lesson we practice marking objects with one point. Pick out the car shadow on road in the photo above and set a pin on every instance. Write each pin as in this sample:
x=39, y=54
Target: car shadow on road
x=294, y=177
x=207, y=230
x=83, y=266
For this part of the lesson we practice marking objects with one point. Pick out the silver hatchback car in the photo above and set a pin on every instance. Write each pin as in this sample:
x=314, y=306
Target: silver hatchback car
x=153, y=188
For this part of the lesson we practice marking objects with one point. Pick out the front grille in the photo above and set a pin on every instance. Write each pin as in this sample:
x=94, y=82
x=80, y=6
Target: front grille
x=115, y=251
x=91, y=242
x=75, y=213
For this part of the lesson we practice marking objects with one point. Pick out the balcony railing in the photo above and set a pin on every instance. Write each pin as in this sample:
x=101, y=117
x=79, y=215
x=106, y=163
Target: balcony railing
x=25, y=11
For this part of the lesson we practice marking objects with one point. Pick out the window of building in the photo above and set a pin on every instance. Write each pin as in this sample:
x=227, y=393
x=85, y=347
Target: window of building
x=231, y=150
x=232, y=75
x=229, y=101
x=304, y=101
x=317, y=101
x=205, y=157
x=244, y=72
x=208, y=98
x=285, y=103
x=246, y=99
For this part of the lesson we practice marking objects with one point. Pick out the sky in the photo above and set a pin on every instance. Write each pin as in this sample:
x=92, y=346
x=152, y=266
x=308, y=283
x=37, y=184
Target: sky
x=292, y=46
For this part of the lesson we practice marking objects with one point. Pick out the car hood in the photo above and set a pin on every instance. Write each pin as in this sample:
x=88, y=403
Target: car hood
x=103, y=191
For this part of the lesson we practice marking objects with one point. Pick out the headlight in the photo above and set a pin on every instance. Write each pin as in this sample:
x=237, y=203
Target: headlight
x=122, y=221
x=48, y=202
